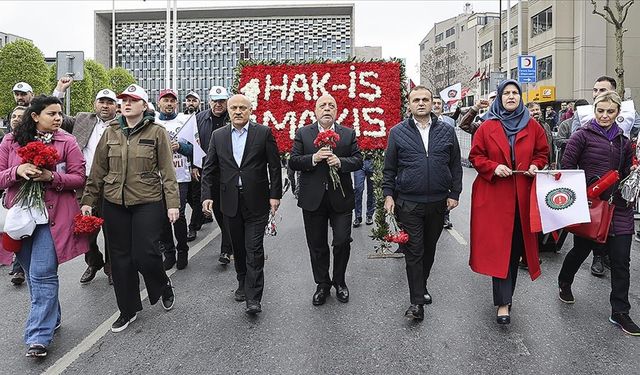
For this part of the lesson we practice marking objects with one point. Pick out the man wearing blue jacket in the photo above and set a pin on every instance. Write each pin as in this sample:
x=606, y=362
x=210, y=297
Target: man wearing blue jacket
x=422, y=180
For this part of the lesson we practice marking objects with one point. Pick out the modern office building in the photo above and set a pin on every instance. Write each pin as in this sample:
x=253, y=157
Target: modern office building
x=8, y=38
x=368, y=52
x=453, y=44
x=572, y=47
x=211, y=41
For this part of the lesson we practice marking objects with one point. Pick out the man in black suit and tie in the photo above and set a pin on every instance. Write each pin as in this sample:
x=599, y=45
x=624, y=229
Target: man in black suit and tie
x=245, y=157
x=321, y=203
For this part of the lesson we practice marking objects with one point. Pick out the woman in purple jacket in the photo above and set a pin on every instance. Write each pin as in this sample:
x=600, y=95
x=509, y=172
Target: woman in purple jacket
x=51, y=243
x=597, y=148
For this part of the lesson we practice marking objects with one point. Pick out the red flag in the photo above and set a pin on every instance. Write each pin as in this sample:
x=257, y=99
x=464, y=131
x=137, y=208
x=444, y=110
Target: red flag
x=464, y=92
x=484, y=75
x=410, y=84
x=475, y=75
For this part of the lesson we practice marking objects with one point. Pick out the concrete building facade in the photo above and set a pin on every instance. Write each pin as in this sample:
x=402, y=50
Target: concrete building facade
x=8, y=38
x=211, y=41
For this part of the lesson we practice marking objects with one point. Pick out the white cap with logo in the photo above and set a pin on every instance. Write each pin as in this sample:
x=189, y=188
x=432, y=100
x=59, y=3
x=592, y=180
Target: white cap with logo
x=106, y=93
x=22, y=87
x=218, y=93
x=136, y=92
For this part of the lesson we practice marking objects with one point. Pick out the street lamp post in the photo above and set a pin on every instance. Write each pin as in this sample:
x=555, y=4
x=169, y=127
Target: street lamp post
x=113, y=34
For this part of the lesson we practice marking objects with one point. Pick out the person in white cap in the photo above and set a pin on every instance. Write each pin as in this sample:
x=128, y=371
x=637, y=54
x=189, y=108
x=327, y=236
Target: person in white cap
x=133, y=171
x=208, y=121
x=22, y=93
x=192, y=103
x=172, y=121
x=88, y=128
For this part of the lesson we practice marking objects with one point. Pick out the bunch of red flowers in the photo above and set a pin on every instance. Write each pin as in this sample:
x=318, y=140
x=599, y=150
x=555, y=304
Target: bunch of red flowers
x=327, y=138
x=86, y=224
x=396, y=234
x=38, y=154
x=31, y=193
x=400, y=237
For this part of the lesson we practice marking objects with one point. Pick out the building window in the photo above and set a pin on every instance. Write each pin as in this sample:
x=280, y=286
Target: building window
x=545, y=68
x=513, y=74
x=541, y=22
x=439, y=38
x=451, y=45
x=514, y=38
x=484, y=87
x=486, y=50
x=450, y=32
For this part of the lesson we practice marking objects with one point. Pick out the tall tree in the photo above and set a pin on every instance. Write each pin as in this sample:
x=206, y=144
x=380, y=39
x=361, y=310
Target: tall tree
x=99, y=76
x=21, y=61
x=617, y=19
x=120, y=78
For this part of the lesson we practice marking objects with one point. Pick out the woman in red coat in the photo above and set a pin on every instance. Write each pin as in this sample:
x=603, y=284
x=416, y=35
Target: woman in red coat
x=508, y=142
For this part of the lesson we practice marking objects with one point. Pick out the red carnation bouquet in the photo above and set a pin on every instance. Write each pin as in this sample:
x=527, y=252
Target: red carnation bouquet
x=397, y=235
x=31, y=193
x=330, y=139
x=86, y=224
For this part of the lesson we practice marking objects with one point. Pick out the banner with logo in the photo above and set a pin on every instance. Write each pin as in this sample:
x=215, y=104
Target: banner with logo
x=558, y=199
x=189, y=132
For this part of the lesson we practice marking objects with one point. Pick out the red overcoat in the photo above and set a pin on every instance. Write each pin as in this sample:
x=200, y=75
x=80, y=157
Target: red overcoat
x=493, y=199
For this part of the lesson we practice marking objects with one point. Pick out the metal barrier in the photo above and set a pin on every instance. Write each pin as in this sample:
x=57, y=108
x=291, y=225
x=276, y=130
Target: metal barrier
x=464, y=139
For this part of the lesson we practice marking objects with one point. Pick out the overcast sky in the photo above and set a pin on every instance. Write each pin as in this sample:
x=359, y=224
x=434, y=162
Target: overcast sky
x=397, y=26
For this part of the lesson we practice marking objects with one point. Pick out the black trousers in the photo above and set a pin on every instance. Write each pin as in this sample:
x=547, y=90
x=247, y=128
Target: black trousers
x=194, y=200
x=93, y=257
x=503, y=288
x=179, y=226
x=619, y=249
x=246, y=231
x=423, y=223
x=134, y=239
x=316, y=228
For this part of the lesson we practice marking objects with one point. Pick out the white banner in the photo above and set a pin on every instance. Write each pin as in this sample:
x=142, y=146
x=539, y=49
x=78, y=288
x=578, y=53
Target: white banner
x=451, y=93
x=189, y=132
x=562, y=201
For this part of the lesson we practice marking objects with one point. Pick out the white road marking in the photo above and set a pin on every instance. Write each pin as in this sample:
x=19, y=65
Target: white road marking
x=71, y=356
x=457, y=236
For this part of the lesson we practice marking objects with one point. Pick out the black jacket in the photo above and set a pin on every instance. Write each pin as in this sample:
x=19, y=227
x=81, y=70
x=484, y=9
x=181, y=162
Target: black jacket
x=260, y=170
x=207, y=123
x=315, y=180
x=412, y=174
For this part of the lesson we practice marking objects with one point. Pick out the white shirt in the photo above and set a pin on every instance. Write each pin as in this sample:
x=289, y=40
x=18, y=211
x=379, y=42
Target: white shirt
x=180, y=162
x=424, y=133
x=90, y=149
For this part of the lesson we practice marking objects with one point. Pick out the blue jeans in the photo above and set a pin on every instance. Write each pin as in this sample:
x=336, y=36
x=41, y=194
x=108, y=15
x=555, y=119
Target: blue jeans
x=38, y=259
x=366, y=172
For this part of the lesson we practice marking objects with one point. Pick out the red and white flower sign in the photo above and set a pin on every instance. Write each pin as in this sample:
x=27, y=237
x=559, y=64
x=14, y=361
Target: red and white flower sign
x=368, y=95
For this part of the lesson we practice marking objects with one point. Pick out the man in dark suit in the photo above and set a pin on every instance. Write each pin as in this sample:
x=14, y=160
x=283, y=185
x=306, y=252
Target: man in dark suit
x=243, y=155
x=321, y=203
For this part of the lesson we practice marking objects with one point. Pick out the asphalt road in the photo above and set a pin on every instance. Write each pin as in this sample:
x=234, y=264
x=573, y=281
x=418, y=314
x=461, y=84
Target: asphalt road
x=207, y=332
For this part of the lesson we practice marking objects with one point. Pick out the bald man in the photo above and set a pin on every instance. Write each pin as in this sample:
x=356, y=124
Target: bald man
x=245, y=156
x=322, y=203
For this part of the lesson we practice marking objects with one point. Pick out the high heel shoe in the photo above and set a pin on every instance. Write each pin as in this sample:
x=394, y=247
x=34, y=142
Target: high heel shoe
x=504, y=319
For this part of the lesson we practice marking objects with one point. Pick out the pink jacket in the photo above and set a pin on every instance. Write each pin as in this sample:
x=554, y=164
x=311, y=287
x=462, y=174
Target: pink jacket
x=60, y=196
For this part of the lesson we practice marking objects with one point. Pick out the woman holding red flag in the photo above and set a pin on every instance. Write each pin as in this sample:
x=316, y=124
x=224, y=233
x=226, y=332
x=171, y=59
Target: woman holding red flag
x=53, y=242
x=508, y=142
x=598, y=148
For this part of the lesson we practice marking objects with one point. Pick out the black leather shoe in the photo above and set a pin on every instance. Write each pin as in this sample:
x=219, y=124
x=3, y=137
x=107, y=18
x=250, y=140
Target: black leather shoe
x=168, y=298
x=597, y=267
x=183, y=260
x=239, y=294
x=342, y=293
x=224, y=259
x=191, y=235
x=320, y=296
x=253, y=307
x=415, y=312
x=89, y=274
x=504, y=319
x=427, y=298
x=565, y=294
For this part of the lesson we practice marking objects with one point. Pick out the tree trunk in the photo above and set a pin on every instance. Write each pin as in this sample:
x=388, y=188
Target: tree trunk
x=620, y=61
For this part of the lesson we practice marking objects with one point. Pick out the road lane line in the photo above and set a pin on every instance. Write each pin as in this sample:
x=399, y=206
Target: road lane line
x=71, y=356
x=457, y=236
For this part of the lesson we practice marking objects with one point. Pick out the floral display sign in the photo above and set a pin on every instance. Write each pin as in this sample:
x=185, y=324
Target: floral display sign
x=368, y=95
